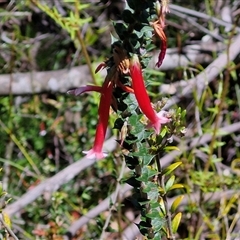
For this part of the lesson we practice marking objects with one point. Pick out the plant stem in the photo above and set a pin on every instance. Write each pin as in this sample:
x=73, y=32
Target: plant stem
x=21, y=148
x=82, y=43
x=220, y=107
x=114, y=201
x=11, y=233
x=168, y=216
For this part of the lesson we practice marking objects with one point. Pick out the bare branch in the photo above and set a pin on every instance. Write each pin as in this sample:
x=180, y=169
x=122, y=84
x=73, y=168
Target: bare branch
x=202, y=15
x=63, y=80
x=54, y=183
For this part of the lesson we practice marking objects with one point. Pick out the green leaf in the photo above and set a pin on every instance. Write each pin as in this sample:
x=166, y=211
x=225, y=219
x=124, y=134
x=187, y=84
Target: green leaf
x=157, y=235
x=113, y=39
x=176, y=221
x=166, y=232
x=176, y=186
x=171, y=168
x=137, y=126
x=157, y=223
x=171, y=148
x=169, y=183
x=153, y=213
x=153, y=72
x=147, y=159
x=176, y=203
x=121, y=29
x=84, y=6
x=12, y=163
x=235, y=165
x=145, y=156
x=147, y=172
x=218, y=144
x=162, y=207
x=152, y=190
x=183, y=114
x=163, y=132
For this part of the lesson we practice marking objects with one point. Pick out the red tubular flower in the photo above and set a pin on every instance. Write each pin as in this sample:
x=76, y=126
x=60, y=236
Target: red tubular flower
x=142, y=96
x=103, y=112
x=100, y=67
x=162, y=53
x=158, y=30
x=158, y=27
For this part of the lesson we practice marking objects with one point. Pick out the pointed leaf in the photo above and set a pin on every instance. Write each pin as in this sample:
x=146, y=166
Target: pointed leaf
x=157, y=224
x=171, y=148
x=169, y=183
x=163, y=132
x=176, y=203
x=153, y=214
x=144, y=155
x=176, y=221
x=147, y=172
x=152, y=190
x=176, y=186
x=171, y=168
x=162, y=207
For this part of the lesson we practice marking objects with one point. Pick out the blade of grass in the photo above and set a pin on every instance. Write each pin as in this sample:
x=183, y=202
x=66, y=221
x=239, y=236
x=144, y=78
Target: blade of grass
x=21, y=147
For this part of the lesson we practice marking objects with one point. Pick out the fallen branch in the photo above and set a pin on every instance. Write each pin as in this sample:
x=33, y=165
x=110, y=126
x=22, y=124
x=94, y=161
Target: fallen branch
x=60, y=81
x=54, y=183
x=203, y=16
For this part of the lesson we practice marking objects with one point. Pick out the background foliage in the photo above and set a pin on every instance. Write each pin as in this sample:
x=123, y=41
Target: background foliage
x=42, y=134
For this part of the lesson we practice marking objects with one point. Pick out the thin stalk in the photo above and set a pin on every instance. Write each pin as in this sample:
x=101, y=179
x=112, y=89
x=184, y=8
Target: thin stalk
x=82, y=43
x=85, y=53
x=114, y=200
x=164, y=197
x=209, y=5
x=6, y=226
x=219, y=113
x=21, y=147
x=209, y=12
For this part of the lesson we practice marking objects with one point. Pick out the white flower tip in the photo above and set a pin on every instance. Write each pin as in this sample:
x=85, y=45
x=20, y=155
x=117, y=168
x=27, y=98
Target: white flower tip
x=71, y=91
x=163, y=117
x=91, y=154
